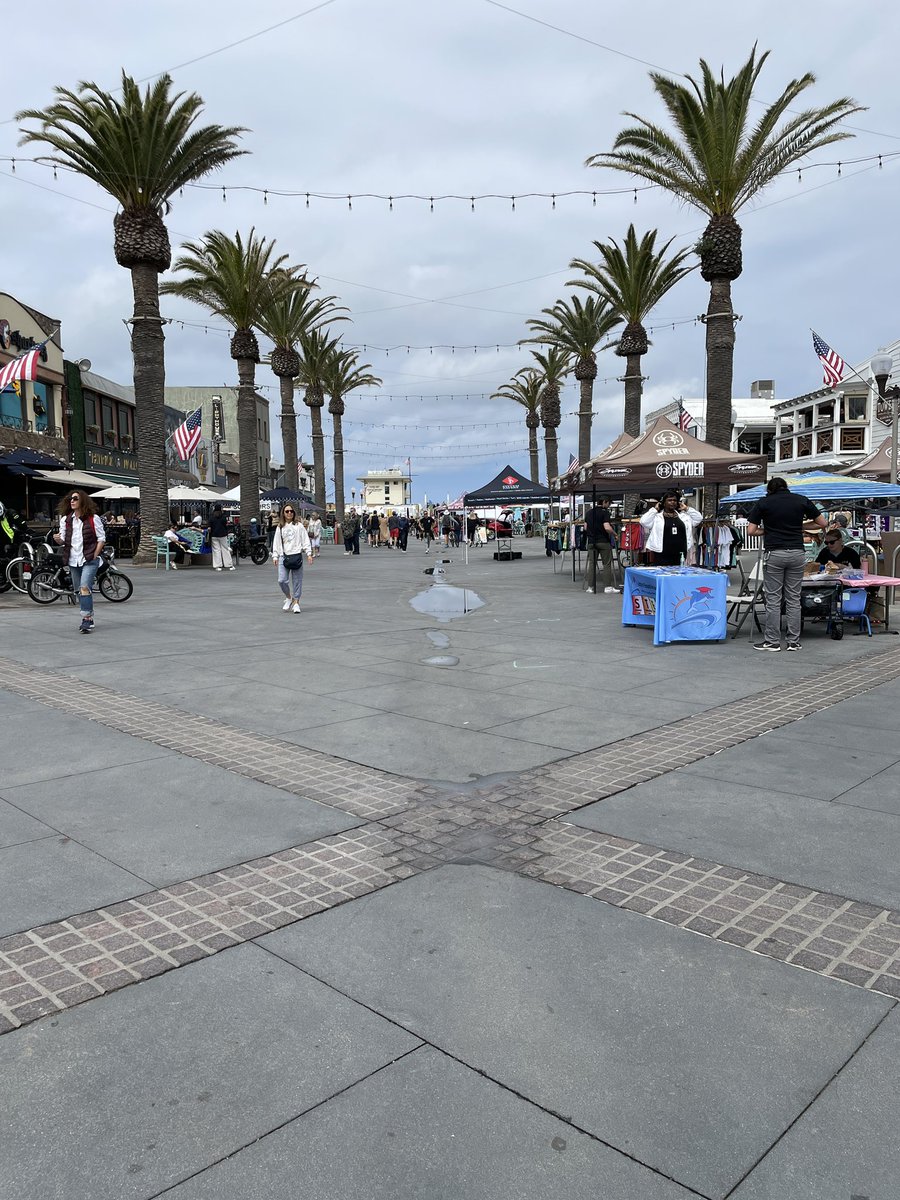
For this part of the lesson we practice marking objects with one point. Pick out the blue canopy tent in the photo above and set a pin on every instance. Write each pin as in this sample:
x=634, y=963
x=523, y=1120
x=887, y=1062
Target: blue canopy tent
x=822, y=486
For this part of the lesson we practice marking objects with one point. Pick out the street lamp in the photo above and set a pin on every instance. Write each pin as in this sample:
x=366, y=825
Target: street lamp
x=882, y=365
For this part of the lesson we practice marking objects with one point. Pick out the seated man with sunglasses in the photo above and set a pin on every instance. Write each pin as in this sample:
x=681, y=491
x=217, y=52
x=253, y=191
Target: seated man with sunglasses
x=835, y=553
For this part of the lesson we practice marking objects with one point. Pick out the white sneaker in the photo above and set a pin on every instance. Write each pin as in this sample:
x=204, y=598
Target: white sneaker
x=286, y=606
x=217, y=568
x=232, y=568
x=610, y=589
x=173, y=567
x=295, y=607
x=590, y=591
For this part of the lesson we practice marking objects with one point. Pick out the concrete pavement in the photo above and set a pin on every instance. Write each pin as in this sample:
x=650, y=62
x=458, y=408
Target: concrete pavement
x=289, y=910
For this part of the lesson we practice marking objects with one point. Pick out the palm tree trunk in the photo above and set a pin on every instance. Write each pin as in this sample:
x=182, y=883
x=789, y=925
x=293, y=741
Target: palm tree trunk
x=634, y=391
x=534, y=460
x=551, y=453
x=719, y=363
x=338, y=466
x=248, y=443
x=585, y=417
x=318, y=449
x=289, y=431
x=148, y=351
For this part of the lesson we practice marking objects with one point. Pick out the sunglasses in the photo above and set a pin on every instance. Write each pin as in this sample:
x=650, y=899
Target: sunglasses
x=832, y=541
x=288, y=510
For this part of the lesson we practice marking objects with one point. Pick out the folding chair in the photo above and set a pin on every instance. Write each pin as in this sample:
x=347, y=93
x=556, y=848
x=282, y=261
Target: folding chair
x=749, y=600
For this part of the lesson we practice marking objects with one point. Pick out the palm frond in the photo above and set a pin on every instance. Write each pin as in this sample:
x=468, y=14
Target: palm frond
x=140, y=148
x=716, y=158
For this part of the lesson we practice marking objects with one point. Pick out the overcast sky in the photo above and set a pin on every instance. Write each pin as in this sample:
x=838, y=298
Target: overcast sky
x=464, y=96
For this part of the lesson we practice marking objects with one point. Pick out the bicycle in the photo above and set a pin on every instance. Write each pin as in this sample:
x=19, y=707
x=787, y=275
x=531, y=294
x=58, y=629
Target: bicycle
x=20, y=569
x=48, y=584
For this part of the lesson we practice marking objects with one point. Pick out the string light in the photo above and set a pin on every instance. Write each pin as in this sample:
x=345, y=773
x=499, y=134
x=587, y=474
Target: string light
x=877, y=158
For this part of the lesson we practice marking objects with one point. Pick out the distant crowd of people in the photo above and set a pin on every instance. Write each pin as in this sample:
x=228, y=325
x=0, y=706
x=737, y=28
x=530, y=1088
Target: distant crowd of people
x=392, y=530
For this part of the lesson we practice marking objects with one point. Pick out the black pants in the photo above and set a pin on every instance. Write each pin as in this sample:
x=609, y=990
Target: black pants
x=403, y=538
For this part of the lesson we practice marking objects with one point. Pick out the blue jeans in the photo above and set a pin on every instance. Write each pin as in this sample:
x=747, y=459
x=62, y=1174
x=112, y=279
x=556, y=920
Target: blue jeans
x=83, y=579
x=293, y=589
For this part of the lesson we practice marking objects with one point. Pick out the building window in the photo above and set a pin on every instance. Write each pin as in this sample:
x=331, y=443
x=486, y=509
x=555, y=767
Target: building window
x=785, y=448
x=11, y=408
x=825, y=441
x=855, y=408
x=126, y=427
x=110, y=432
x=852, y=439
x=41, y=403
x=804, y=445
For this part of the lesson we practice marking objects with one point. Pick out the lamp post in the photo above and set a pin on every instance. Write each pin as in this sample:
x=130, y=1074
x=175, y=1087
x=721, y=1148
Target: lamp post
x=882, y=365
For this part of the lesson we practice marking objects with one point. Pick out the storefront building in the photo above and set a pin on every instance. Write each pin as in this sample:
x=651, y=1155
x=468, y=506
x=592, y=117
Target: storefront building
x=834, y=427
x=32, y=414
x=219, y=427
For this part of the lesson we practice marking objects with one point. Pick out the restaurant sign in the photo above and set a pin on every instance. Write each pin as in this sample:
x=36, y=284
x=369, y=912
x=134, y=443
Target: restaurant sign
x=110, y=460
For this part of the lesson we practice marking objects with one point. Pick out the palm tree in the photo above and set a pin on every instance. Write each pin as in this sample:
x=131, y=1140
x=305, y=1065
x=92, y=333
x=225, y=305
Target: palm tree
x=525, y=389
x=633, y=279
x=717, y=161
x=235, y=279
x=554, y=365
x=577, y=328
x=343, y=373
x=140, y=149
x=315, y=349
x=284, y=320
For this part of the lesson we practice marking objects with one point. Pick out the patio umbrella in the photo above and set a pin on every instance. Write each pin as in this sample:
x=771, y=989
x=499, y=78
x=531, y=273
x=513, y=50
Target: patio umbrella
x=119, y=491
x=281, y=495
x=821, y=485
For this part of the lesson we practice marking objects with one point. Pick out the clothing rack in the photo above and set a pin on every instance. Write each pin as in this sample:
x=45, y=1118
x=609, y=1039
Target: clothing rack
x=718, y=545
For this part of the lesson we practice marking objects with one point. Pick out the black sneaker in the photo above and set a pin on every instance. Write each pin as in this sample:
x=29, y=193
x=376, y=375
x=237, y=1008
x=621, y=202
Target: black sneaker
x=86, y=625
x=792, y=646
x=772, y=647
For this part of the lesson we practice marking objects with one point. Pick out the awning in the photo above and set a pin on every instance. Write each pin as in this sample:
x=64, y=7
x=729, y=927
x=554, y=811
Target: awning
x=30, y=458
x=76, y=479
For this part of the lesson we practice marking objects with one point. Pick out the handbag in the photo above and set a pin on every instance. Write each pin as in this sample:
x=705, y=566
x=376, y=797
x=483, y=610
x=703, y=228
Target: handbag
x=292, y=562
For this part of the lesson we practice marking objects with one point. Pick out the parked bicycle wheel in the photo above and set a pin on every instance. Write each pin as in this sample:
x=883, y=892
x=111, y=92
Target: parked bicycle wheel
x=43, y=587
x=18, y=573
x=116, y=587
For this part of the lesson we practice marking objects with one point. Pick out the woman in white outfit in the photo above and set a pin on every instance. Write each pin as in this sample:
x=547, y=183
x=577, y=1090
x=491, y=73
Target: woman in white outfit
x=669, y=529
x=315, y=534
x=290, y=544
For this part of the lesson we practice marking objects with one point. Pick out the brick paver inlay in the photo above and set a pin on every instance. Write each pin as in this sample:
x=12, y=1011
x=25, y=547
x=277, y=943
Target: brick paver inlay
x=410, y=826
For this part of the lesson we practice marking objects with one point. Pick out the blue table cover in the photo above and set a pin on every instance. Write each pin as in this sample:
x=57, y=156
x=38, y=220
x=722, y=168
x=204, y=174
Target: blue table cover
x=683, y=604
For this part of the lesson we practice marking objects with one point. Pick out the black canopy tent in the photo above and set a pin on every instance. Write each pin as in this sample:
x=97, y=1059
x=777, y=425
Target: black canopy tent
x=508, y=488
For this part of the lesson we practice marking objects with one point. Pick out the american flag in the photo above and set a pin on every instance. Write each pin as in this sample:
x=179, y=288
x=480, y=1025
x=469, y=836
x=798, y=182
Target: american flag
x=23, y=367
x=574, y=464
x=831, y=361
x=187, y=435
x=685, y=420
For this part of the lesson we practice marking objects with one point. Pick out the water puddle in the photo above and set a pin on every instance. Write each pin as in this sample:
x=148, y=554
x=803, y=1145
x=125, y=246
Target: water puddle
x=441, y=660
x=445, y=603
x=438, y=639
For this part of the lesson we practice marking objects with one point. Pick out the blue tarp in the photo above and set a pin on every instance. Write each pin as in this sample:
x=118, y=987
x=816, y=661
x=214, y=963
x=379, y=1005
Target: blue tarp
x=821, y=485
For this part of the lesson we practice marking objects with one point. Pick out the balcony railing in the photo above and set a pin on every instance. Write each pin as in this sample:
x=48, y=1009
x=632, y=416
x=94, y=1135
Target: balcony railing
x=8, y=422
